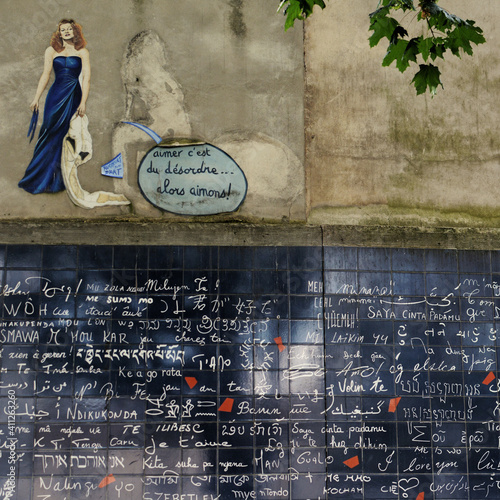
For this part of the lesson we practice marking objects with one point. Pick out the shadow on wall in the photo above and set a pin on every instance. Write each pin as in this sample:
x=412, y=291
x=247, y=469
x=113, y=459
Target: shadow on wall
x=276, y=186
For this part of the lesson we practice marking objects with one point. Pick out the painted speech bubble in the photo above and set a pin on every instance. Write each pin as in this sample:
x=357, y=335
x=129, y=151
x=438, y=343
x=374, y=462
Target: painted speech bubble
x=191, y=179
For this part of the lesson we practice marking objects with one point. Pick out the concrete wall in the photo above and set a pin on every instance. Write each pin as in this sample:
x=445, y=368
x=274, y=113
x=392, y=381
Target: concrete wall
x=240, y=80
x=379, y=154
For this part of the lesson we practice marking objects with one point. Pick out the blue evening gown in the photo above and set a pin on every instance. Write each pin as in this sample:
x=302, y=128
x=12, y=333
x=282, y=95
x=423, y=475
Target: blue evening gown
x=43, y=174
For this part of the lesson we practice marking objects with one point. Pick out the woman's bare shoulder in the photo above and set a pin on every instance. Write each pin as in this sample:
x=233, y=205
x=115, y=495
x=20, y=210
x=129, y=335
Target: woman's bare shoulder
x=50, y=51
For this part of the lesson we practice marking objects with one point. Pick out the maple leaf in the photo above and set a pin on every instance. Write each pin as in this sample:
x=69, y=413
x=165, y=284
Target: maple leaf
x=428, y=76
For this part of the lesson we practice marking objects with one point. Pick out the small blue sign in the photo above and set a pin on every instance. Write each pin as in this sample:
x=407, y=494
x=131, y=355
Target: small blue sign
x=113, y=168
x=191, y=179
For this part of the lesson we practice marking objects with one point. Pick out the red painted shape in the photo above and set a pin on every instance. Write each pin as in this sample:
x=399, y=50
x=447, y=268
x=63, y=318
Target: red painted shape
x=489, y=378
x=191, y=381
x=279, y=341
x=393, y=404
x=227, y=406
x=420, y=496
x=352, y=462
x=107, y=480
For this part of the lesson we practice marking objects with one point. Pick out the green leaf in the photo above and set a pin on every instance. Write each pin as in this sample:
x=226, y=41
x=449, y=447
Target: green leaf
x=399, y=32
x=437, y=51
x=425, y=45
x=409, y=55
x=405, y=5
x=432, y=47
x=387, y=5
x=461, y=38
x=380, y=12
x=298, y=9
x=293, y=12
x=403, y=52
x=395, y=52
x=428, y=76
x=382, y=27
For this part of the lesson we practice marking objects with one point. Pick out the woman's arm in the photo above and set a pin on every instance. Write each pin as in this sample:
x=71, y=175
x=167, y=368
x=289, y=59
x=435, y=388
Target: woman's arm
x=44, y=79
x=84, y=54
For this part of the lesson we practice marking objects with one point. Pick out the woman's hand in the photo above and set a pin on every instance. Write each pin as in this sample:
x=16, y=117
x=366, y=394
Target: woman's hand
x=81, y=109
x=34, y=105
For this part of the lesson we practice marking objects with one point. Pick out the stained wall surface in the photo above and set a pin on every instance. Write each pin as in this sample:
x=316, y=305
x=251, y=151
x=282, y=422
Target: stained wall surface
x=377, y=152
x=221, y=71
x=323, y=133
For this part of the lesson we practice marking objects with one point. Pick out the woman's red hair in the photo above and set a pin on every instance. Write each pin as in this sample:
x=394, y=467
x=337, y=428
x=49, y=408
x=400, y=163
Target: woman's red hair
x=78, y=40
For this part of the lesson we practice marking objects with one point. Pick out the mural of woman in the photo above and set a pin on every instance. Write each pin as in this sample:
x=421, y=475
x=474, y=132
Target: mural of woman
x=66, y=98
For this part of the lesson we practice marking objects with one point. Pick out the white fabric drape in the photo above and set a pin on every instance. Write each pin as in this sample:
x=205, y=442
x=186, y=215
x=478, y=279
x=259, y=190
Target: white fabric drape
x=77, y=150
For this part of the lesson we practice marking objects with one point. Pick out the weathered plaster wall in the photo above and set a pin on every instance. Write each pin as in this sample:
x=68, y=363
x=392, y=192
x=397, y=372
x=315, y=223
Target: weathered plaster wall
x=379, y=154
x=374, y=153
x=240, y=84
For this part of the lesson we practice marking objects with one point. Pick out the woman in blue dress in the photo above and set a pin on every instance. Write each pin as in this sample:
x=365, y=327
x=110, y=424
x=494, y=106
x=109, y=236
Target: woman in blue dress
x=70, y=60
